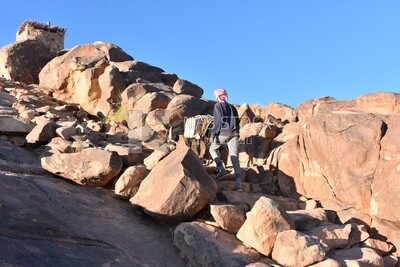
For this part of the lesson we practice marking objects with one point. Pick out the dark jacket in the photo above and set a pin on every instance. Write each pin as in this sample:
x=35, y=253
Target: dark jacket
x=226, y=120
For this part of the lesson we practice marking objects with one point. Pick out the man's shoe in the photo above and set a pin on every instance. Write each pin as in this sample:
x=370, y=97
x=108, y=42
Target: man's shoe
x=238, y=188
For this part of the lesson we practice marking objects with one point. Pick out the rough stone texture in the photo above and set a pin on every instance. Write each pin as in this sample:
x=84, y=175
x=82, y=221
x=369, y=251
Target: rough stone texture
x=185, y=106
x=246, y=115
x=129, y=181
x=333, y=235
x=57, y=145
x=311, y=108
x=327, y=263
x=264, y=222
x=75, y=77
x=339, y=152
x=295, y=249
x=381, y=247
x=379, y=102
x=111, y=83
x=235, y=197
x=228, y=217
x=169, y=78
x=285, y=159
x=156, y=155
x=358, y=234
x=205, y=245
x=307, y=219
x=177, y=188
x=357, y=257
x=390, y=261
x=280, y=111
x=152, y=101
x=134, y=92
x=22, y=61
x=385, y=201
x=11, y=125
x=306, y=159
x=136, y=71
x=67, y=129
x=158, y=120
x=60, y=224
x=15, y=159
x=42, y=133
x=92, y=167
x=51, y=36
x=130, y=154
x=387, y=231
x=185, y=87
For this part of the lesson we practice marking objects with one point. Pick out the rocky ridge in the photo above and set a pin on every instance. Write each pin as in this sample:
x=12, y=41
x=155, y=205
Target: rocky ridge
x=320, y=181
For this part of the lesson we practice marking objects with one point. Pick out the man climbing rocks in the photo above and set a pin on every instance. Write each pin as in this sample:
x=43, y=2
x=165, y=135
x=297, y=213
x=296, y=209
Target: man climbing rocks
x=225, y=132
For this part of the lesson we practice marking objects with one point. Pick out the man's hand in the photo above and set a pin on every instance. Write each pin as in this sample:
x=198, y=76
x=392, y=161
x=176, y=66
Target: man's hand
x=211, y=139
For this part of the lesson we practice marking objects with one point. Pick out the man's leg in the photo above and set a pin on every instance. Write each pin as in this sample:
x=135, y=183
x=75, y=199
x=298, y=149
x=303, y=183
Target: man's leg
x=215, y=155
x=233, y=145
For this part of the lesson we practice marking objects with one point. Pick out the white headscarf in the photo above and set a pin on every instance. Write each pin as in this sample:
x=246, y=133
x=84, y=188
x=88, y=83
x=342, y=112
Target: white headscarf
x=221, y=95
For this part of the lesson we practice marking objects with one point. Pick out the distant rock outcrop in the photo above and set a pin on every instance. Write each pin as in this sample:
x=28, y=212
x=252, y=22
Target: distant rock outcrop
x=22, y=61
x=36, y=44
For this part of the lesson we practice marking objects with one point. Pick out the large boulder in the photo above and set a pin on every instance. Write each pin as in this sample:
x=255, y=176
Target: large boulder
x=185, y=87
x=22, y=61
x=385, y=202
x=280, y=111
x=152, y=101
x=307, y=219
x=339, y=154
x=308, y=109
x=285, y=160
x=134, y=92
x=42, y=133
x=84, y=75
x=379, y=102
x=205, y=245
x=264, y=222
x=129, y=181
x=228, y=217
x=246, y=115
x=135, y=71
x=177, y=188
x=185, y=106
x=333, y=235
x=295, y=249
x=91, y=167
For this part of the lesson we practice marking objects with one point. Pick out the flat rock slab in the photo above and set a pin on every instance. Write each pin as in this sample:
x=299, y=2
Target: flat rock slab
x=46, y=221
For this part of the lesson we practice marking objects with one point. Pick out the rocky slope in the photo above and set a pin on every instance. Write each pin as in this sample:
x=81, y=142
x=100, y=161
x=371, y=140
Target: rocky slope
x=82, y=186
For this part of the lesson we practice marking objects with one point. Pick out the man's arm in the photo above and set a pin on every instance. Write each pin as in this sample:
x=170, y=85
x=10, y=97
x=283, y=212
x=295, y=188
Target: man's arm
x=217, y=120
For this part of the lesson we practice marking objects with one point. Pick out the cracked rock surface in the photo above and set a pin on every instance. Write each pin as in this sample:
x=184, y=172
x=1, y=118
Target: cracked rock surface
x=45, y=221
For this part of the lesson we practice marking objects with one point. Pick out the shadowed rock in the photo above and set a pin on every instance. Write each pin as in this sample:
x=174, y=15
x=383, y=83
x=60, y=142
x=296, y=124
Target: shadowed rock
x=60, y=224
x=22, y=61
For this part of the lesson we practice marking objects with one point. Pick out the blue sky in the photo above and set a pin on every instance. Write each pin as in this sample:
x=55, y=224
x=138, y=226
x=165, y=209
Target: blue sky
x=261, y=51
